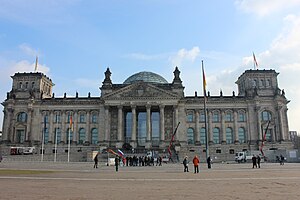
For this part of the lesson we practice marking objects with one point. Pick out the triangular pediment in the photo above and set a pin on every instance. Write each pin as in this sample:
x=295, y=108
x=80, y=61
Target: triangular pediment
x=141, y=90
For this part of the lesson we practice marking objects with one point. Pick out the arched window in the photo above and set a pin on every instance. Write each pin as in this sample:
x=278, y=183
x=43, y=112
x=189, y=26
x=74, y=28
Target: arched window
x=190, y=117
x=268, y=83
x=22, y=117
x=94, y=135
x=241, y=116
x=228, y=116
x=69, y=131
x=190, y=136
x=94, y=118
x=266, y=116
x=242, y=135
x=216, y=116
x=58, y=134
x=82, y=118
x=20, y=85
x=216, y=135
x=229, y=136
x=202, y=116
x=81, y=136
x=202, y=136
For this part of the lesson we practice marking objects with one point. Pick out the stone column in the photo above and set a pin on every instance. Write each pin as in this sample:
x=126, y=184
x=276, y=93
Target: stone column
x=133, y=131
x=223, y=128
x=107, y=124
x=120, y=123
x=280, y=124
x=6, y=135
x=162, y=122
x=75, y=126
x=29, y=119
x=51, y=135
x=6, y=119
x=88, y=131
x=197, y=135
x=259, y=134
x=63, y=126
x=148, y=108
x=175, y=121
x=209, y=128
x=235, y=127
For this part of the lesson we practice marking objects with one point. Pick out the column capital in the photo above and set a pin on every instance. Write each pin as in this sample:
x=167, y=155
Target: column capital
x=148, y=106
x=161, y=106
x=133, y=106
x=120, y=107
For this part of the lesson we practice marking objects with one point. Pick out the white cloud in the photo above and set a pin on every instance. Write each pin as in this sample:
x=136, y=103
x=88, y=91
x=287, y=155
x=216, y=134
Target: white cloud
x=265, y=7
x=185, y=55
x=20, y=66
x=283, y=55
x=27, y=49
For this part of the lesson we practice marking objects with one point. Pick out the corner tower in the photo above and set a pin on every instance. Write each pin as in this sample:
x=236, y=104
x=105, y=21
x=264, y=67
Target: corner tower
x=30, y=85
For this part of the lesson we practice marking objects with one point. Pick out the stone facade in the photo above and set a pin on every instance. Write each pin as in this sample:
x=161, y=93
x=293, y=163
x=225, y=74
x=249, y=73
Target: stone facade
x=143, y=112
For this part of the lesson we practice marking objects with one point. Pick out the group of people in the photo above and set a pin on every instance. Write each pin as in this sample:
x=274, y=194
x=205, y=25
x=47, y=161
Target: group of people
x=196, y=162
x=256, y=161
x=132, y=161
x=143, y=161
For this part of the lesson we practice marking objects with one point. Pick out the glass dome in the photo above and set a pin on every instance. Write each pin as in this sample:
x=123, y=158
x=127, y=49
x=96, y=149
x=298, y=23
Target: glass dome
x=148, y=77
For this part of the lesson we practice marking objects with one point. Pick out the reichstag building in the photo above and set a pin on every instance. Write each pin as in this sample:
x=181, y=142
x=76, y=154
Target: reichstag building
x=142, y=113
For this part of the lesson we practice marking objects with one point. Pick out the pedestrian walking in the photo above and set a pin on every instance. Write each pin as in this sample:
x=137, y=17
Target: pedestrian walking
x=281, y=160
x=254, y=164
x=258, y=161
x=117, y=162
x=96, y=161
x=196, y=162
x=208, y=162
x=185, y=164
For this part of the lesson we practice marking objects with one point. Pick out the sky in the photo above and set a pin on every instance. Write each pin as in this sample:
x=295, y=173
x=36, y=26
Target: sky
x=76, y=40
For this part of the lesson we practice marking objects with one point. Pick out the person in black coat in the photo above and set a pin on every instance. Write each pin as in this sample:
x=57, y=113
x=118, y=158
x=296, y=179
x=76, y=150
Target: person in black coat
x=254, y=161
x=208, y=162
x=117, y=162
x=258, y=161
x=96, y=161
x=185, y=164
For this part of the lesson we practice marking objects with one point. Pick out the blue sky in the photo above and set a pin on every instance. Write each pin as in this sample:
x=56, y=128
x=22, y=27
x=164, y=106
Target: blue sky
x=77, y=40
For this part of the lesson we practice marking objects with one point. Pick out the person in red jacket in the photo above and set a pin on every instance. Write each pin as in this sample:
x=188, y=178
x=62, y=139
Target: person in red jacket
x=196, y=162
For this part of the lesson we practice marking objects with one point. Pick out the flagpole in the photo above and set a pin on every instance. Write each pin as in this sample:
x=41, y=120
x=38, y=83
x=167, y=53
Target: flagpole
x=36, y=64
x=205, y=114
x=55, y=146
x=69, y=144
x=69, y=138
x=43, y=139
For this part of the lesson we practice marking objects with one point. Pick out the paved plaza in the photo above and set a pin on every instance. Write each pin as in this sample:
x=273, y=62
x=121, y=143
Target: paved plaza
x=80, y=181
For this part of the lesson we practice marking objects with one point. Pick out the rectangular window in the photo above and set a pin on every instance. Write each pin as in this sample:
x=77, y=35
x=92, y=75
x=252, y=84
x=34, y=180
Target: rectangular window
x=56, y=118
x=215, y=117
x=190, y=117
x=202, y=117
x=82, y=118
x=94, y=118
x=128, y=126
x=242, y=117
